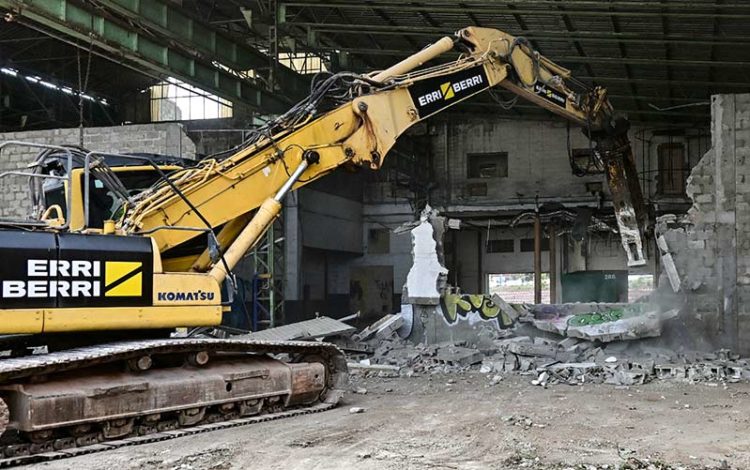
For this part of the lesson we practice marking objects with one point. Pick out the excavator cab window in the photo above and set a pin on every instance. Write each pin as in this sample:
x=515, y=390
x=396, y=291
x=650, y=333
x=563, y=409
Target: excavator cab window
x=104, y=205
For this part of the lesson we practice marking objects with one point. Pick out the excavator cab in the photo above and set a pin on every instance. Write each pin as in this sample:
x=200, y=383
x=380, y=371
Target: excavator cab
x=127, y=175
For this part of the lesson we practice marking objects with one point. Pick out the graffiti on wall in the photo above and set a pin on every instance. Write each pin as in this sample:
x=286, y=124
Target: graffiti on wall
x=470, y=307
x=596, y=318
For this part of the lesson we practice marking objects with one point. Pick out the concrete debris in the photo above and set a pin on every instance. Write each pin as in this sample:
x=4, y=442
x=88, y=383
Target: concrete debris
x=356, y=410
x=541, y=380
x=505, y=307
x=457, y=356
x=383, y=328
x=320, y=327
x=602, y=322
x=496, y=379
x=569, y=360
x=667, y=263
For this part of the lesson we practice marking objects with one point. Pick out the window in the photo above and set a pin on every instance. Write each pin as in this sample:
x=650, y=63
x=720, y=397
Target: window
x=379, y=241
x=518, y=287
x=174, y=100
x=303, y=62
x=487, y=165
x=500, y=246
x=672, y=171
x=527, y=245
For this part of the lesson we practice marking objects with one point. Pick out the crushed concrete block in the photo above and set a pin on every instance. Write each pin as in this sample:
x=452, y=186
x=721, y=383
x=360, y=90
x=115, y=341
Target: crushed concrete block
x=490, y=365
x=568, y=343
x=502, y=344
x=526, y=364
x=458, y=356
x=496, y=379
x=529, y=349
x=625, y=377
x=511, y=363
x=545, y=342
x=541, y=380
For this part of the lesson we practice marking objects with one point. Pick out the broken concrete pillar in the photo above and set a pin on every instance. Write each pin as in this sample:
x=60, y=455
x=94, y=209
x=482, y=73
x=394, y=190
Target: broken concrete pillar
x=427, y=277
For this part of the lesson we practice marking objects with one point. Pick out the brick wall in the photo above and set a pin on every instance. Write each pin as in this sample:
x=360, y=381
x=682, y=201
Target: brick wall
x=712, y=254
x=162, y=138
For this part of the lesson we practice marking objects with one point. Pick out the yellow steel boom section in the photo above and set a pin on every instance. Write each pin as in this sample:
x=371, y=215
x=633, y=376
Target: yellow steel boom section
x=358, y=132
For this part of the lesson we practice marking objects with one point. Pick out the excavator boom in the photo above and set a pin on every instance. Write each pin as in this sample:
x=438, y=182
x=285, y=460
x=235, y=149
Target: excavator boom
x=376, y=110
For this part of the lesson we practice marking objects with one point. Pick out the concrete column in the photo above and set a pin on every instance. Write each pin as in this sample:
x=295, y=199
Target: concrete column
x=537, y=260
x=292, y=247
x=552, y=264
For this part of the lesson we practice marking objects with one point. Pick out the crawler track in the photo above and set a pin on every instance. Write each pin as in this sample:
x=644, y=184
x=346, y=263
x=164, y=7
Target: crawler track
x=20, y=451
x=159, y=436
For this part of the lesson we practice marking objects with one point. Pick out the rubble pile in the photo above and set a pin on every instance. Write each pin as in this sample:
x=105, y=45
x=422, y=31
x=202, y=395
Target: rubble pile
x=548, y=361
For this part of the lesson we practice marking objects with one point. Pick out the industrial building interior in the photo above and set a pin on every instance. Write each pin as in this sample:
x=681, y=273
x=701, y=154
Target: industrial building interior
x=544, y=274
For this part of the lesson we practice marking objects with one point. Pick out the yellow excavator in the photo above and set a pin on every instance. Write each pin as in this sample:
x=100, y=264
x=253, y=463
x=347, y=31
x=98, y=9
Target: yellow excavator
x=125, y=248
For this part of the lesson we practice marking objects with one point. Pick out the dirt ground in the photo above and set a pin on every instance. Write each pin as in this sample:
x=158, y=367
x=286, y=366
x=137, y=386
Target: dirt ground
x=460, y=421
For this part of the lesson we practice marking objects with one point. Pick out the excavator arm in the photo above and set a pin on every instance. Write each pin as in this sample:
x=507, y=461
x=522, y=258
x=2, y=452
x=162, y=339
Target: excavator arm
x=355, y=120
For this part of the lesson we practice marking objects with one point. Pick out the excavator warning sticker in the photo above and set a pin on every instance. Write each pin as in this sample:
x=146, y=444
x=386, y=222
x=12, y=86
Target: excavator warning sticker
x=435, y=94
x=550, y=94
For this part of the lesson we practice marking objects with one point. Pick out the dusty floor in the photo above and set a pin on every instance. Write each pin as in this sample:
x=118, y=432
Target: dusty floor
x=429, y=422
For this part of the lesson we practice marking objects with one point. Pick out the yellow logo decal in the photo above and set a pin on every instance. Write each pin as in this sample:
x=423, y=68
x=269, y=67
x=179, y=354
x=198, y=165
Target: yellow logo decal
x=447, y=90
x=123, y=279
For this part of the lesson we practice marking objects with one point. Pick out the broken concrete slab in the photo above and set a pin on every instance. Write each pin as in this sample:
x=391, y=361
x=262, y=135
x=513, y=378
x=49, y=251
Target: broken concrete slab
x=383, y=328
x=602, y=322
x=667, y=263
x=309, y=329
x=506, y=308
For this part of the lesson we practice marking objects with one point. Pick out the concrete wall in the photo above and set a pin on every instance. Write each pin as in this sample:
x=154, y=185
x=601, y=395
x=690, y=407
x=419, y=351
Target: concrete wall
x=712, y=254
x=538, y=162
x=164, y=138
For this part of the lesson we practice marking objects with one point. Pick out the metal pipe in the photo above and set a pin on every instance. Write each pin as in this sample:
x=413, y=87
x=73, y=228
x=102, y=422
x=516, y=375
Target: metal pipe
x=410, y=63
x=552, y=264
x=537, y=259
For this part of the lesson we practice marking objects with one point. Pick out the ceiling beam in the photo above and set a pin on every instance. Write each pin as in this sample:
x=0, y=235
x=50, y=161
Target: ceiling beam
x=158, y=44
x=585, y=60
x=597, y=37
x=493, y=9
x=584, y=4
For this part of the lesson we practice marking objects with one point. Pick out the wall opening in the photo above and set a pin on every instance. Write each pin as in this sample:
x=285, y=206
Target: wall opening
x=639, y=285
x=501, y=246
x=517, y=287
x=487, y=165
x=379, y=241
x=673, y=170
